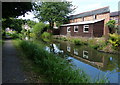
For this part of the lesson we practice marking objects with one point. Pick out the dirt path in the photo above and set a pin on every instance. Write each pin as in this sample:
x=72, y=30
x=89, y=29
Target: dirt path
x=11, y=67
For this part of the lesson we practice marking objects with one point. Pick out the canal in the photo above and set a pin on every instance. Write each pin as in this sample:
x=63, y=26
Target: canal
x=95, y=64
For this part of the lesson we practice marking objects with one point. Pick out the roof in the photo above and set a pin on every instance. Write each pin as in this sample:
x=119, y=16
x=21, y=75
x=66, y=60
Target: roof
x=113, y=14
x=85, y=22
x=92, y=12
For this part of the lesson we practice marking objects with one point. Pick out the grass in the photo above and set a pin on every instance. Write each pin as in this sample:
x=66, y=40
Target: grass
x=31, y=69
x=56, y=69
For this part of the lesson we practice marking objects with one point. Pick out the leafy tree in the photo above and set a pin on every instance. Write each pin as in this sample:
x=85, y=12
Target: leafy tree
x=38, y=29
x=30, y=23
x=15, y=24
x=52, y=11
x=14, y=9
x=111, y=26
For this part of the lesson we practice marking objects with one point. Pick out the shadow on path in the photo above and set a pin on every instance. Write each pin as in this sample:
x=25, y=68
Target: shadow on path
x=11, y=67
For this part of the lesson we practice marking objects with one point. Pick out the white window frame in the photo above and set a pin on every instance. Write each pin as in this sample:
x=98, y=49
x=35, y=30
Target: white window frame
x=85, y=26
x=75, y=27
x=85, y=56
x=67, y=29
x=75, y=51
x=68, y=48
x=94, y=16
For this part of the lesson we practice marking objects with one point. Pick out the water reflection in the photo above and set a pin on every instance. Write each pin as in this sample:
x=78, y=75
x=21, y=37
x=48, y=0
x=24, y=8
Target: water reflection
x=88, y=59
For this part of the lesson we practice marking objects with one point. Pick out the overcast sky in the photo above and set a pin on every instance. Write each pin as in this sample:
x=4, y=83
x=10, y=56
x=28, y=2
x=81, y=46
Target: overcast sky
x=86, y=5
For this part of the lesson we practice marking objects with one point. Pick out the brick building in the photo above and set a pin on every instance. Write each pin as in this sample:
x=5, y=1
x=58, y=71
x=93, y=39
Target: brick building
x=87, y=24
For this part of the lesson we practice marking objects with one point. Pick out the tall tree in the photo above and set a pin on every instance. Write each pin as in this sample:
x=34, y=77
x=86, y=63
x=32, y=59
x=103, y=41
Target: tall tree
x=52, y=11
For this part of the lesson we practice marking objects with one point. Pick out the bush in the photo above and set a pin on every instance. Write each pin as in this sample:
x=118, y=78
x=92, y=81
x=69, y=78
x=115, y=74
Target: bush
x=57, y=69
x=15, y=35
x=46, y=35
x=77, y=42
x=39, y=28
x=111, y=26
x=114, y=39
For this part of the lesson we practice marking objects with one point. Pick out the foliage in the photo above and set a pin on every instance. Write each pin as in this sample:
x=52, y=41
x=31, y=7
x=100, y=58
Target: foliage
x=77, y=42
x=111, y=25
x=15, y=24
x=30, y=23
x=114, y=39
x=13, y=34
x=55, y=68
x=13, y=9
x=52, y=11
x=46, y=35
x=38, y=29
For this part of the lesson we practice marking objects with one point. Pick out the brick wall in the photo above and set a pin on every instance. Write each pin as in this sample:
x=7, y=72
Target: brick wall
x=88, y=18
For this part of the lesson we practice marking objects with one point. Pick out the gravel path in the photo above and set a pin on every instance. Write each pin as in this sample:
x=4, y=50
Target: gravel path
x=11, y=67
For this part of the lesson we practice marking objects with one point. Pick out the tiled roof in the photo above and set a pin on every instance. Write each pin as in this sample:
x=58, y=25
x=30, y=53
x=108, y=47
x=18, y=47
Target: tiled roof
x=85, y=22
x=89, y=13
x=112, y=14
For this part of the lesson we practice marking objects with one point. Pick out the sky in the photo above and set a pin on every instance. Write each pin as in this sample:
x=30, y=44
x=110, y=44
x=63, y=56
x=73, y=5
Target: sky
x=84, y=5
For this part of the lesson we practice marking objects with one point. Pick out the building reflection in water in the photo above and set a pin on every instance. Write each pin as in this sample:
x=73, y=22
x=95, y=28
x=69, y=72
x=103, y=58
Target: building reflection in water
x=75, y=51
x=68, y=48
x=85, y=54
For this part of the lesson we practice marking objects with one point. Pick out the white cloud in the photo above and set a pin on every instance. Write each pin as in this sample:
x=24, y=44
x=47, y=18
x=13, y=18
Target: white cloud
x=29, y=15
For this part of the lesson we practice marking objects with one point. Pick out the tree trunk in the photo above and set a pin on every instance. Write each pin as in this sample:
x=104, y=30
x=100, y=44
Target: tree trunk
x=51, y=26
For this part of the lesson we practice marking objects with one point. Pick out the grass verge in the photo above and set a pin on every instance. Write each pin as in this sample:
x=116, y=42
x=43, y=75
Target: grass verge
x=54, y=68
x=29, y=67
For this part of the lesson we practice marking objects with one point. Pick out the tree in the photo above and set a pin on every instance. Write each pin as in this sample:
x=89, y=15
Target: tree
x=30, y=23
x=15, y=9
x=111, y=26
x=15, y=24
x=38, y=29
x=52, y=11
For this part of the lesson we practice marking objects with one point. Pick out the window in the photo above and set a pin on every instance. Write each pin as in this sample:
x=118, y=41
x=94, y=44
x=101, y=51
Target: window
x=94, y=16
x=68, y=29
x=75, y=51
x=68, y=48
x=85, y=54
x=86, y=28
x=75, y=28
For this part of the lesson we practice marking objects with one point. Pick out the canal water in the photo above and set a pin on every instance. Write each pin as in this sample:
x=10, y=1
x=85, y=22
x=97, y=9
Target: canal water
x=95, y=64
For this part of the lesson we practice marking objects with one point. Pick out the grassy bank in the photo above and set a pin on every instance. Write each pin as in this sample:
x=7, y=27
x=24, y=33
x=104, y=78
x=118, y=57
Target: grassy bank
x=29, y=67
x=111, y=45
x=54, y=68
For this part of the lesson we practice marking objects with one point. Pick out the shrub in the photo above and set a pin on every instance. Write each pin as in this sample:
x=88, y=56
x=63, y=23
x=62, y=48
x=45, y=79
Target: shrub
x=38, y=29
x=114, y=39
x=111, y=25
x=77, y=42
x=15, y=35
x=46, y=35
